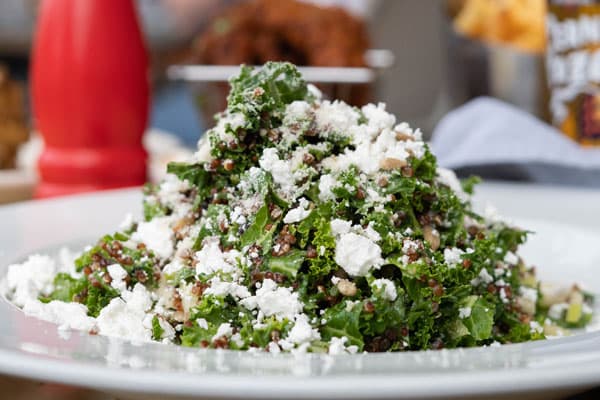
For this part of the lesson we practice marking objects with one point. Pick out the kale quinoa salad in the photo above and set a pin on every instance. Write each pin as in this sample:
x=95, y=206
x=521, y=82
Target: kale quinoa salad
x=303, y=225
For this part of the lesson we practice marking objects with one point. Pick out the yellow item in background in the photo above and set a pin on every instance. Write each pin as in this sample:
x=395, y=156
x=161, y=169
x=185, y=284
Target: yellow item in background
x=518, y=23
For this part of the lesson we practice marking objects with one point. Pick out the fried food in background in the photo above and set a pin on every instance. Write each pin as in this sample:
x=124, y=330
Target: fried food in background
x=13, y=129
x=518, y=23
x=258, y=31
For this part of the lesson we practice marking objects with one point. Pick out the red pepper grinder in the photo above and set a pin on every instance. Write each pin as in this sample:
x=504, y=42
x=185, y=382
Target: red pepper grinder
x=90, y=95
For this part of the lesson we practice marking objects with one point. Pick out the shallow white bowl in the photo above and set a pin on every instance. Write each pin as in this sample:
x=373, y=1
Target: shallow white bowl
x=566, y=247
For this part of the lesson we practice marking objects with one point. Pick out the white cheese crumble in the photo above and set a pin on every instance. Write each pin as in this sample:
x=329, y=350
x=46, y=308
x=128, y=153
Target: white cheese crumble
x=386, y=288
x=357, y=254
x=299, y=213
x=271, y=299
x=30, y=279
x=118, y=275
x=511, y=258
x=280, y=170
x=453, y=256
x=157, y=235
x=237, y=216
x=127, y=222
x=224, y=329
x=448, y=177
x=223, y=288
x=124, y=316
x=302, y=332
x=168, y=333
x=211, y=259
x=528, y=293
x=535, y=327
x=377, y=117
x=336, y=118
x=483, y=277
x=226, y=124
x=202, y=323
x=295, y=111
x=273, y=348
x=203, y=152
x=340, y=227
x=326, y=183
x=173, y=267
x=66, y=315
x=337, y=345
x=464, y=312
x=170, y=191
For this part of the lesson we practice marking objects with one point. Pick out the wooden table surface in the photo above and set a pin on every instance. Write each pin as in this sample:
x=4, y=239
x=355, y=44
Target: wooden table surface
x=22, y=389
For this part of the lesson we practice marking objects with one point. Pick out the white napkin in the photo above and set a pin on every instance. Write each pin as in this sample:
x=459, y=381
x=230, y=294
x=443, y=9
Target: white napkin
x=497, y=140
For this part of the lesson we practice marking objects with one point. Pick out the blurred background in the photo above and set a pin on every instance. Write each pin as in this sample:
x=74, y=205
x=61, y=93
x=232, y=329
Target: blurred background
x=438, y=64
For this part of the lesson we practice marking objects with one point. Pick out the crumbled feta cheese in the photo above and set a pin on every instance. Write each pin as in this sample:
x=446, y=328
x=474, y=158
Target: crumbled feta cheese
x=357, y=254
x=211, y=259
x=271, y=299
x=453, y=256
x=30, y=279
x=221, y=288
x=118, y=275
x=295, y=111
x=168, y=333
x=337, y=345
x=528, y=293
x=536, y=327
x=202, y=323
x=224, y=329
x=483, y=277
x=511, y=258
x=377, y=117
x=387, y=288
x=124, y=317
x=448, y=177
x=170, y=191
x=157, y=235
x=340, y=227
x=326, y=183
x=273, y=348
x=227, y=124
x=464, y=312
x=173, y=267
x=297, y=214
x=336, y=118
x=279, y=169
x=302, y=332
x=127, y=222
x=237, y=216
x=503, y=296
x=66, y=315
x=371, y=233
x=203, y=152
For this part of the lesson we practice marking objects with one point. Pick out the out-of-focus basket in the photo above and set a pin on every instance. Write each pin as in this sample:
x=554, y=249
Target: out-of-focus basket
x=477, y=69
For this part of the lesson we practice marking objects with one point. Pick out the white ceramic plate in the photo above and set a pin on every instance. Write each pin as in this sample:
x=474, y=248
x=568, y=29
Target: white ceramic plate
x=566, y=247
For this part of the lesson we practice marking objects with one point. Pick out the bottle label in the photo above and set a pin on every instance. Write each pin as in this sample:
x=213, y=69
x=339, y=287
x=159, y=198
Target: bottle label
x=573, y=68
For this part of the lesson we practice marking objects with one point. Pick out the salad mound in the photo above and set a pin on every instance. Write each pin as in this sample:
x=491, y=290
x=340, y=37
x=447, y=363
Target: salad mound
x=304, y=224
